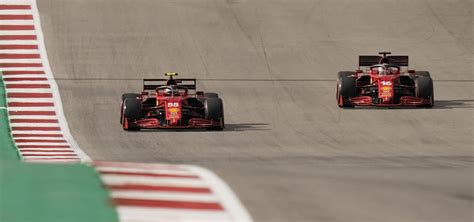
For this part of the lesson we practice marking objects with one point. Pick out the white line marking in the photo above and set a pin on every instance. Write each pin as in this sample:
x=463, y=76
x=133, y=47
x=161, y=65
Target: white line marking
x=54, y=87
x=178, y=182
x=18, y=22
x=20, y=61
x=47, y=157
x=47, y=90
x=36, y=132
x=15, y=11
x=45, y=153
x=20, y=51
x=18, y=42
x=25, y=76
x=17, y=32
x=26, y=82
x=149, y=166
x=134, y=214
x=49, y=108
x=149, y=195
x=230, y=202
x=135, y=170
x=21, y=68
x=16, y=2
x=31, y=117
x=42, y=144
x=55, y=161
x=30, y=100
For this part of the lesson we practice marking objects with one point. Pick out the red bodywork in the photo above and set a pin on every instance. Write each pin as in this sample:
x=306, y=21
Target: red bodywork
x=161, y=110
x=385, y=85
x=173, y=115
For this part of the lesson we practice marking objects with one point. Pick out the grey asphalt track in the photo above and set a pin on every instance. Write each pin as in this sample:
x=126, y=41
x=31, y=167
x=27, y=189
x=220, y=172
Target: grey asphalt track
x=288, y=151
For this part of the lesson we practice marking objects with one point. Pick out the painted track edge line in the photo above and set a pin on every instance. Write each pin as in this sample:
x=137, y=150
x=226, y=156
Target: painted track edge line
x=54, y=87
x=231, y=203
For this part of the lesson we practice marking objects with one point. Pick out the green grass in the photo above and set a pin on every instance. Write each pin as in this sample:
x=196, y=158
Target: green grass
x=47, y=192
x=8, y=151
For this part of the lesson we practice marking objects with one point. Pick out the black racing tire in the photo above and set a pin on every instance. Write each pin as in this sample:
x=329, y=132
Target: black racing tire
x=344, y=74
x=125, y=96
x=346, y=89
x=211, y=95
x=130, y=95
x=214, y=110
x=422, y=73
x=424, y=89
x=132, y=111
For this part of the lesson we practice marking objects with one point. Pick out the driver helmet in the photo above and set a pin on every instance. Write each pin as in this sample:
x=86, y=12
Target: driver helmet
x=169, y=91
x=381, y=70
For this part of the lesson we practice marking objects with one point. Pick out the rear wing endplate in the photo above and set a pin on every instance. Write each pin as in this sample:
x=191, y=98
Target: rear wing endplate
x=152, y=84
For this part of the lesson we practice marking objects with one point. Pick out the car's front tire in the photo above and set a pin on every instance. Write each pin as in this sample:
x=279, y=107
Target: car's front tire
x=424, y=89
x=125, y=96
x=346, y=88
x=214, y=110
x=131, y=111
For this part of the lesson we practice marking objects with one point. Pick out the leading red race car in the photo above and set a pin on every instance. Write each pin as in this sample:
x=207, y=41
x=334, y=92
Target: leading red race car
x=384, y=83
x=171, y=103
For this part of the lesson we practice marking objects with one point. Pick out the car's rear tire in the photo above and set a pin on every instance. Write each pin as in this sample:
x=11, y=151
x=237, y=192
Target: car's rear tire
x=344, y=74
x=424, y=89
x=131, y=111
x=214, y=110
x=211, y=95
x=130, y=95
x=346, y=88
x=422, y=73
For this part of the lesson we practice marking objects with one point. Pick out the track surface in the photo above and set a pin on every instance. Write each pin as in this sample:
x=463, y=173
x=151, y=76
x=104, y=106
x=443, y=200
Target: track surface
x=288, y=151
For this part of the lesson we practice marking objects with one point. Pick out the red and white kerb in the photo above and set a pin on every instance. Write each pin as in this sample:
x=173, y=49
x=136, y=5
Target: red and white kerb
x=37, y=122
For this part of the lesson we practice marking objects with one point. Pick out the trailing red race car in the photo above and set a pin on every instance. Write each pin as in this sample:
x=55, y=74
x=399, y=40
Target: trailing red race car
x=384, y=83
x=171, y=103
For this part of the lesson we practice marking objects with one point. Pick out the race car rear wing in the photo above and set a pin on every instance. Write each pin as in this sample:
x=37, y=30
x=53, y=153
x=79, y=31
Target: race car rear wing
x=152, y=84
x=368, y=60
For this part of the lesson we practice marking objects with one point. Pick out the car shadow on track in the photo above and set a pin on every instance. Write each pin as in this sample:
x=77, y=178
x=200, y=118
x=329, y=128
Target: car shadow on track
x=454, y=104
x=229, y=127
x=246, y=126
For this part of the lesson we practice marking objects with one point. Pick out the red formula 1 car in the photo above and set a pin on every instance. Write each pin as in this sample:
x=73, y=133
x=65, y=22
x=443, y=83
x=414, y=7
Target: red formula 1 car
x=171, y=103
x=384, y=83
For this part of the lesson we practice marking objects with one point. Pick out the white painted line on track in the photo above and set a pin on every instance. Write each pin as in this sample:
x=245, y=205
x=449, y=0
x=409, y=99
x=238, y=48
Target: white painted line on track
x=54, y=87
x=20, y=51
x=150, y=195
x=18, y=42
x=179, y=182
x=18, y=22
x=20, y=61
x=17, y=32
x=25, y=76
x=229, y=200
x=134, y=214
x=15, y=11
x=138, y=170
x=3, y=69
x=46, y=90
x=30, y=100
